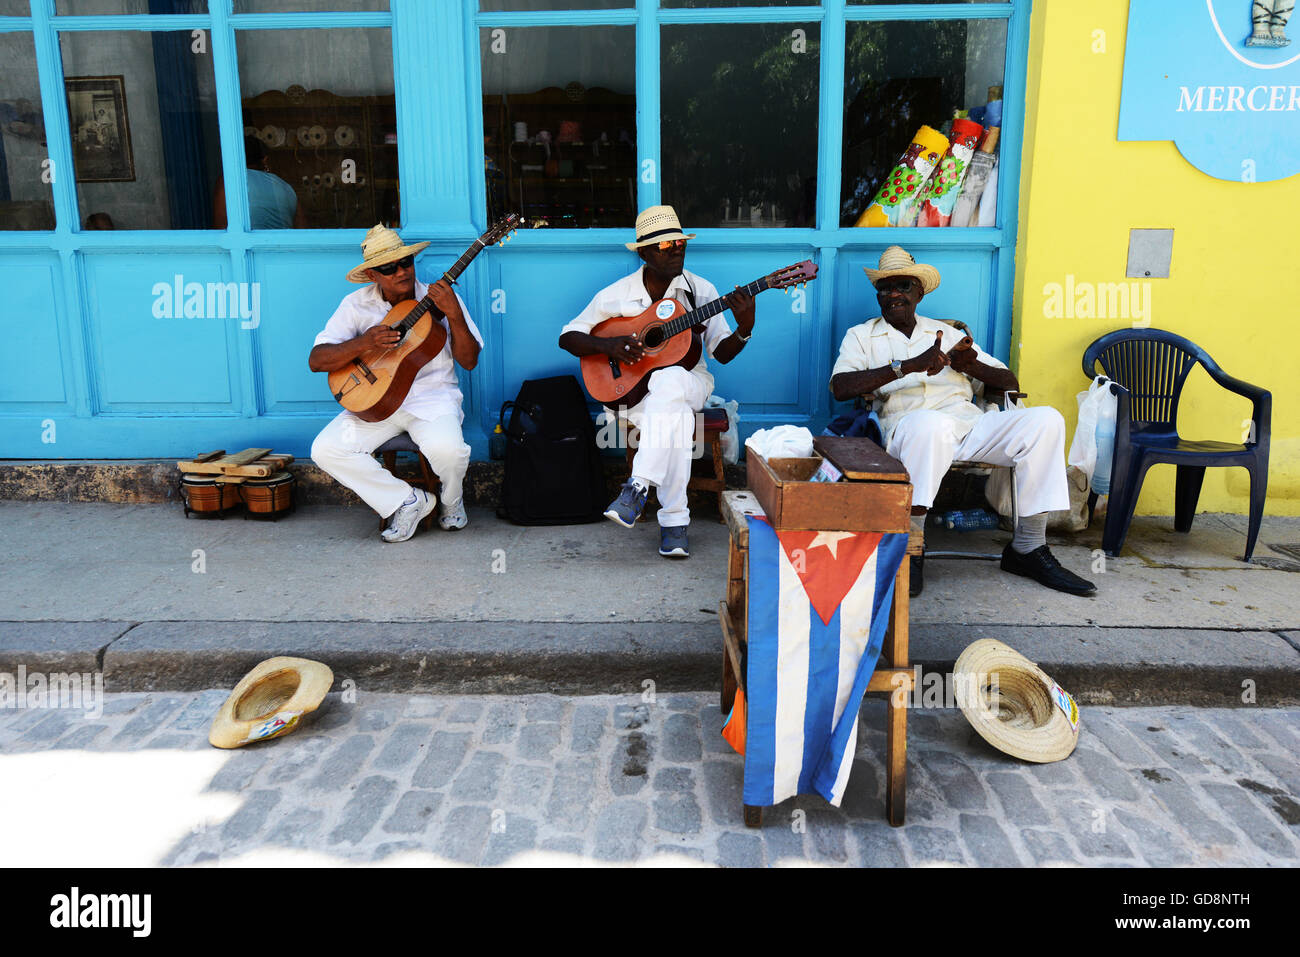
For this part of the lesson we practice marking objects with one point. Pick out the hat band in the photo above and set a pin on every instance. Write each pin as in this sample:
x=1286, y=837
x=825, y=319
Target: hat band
x=658, y=232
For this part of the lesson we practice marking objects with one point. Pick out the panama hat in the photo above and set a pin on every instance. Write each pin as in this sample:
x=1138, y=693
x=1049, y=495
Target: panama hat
x=380, y=246
x=656, y=225
x=269, y=700
x=897, y=261
x=1030, y=717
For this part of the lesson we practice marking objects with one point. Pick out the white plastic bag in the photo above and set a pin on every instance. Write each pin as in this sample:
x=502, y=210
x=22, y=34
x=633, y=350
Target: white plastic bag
x=731, y=437
x=782, y=442
x=1083, y=450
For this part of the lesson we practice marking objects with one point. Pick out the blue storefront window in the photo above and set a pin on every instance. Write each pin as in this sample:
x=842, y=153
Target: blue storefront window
x=426, y=113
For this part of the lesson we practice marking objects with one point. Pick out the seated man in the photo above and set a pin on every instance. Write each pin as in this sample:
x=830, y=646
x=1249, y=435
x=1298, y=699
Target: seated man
x=431, y=411
x=666, y=416
x=928, y=418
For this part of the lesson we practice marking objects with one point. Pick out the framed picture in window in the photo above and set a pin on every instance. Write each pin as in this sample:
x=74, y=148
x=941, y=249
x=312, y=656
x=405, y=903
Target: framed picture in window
x=101, y=135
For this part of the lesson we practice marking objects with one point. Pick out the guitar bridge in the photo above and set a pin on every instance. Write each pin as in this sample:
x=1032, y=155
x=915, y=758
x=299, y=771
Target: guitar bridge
x=365, y=371
x=615, y=369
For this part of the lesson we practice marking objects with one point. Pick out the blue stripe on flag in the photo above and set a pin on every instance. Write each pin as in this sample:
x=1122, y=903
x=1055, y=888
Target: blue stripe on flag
x=823, y=686
x=889, y=554
x=760, y=697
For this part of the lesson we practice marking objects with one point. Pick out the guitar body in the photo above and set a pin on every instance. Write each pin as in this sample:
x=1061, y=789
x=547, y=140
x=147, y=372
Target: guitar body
x=616, y=383
x=374, y=385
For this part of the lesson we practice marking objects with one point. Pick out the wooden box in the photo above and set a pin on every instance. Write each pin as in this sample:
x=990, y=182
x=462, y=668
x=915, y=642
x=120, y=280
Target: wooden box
x=790, y=500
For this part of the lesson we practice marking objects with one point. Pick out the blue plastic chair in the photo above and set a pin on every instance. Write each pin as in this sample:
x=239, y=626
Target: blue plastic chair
x=1148, y=368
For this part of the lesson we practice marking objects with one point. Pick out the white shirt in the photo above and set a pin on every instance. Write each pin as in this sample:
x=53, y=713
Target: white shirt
x=435, y=390
x=628, y=297
x=876, y=343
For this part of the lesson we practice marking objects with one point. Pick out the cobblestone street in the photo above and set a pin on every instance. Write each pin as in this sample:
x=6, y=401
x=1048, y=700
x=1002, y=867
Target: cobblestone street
x=540, y=779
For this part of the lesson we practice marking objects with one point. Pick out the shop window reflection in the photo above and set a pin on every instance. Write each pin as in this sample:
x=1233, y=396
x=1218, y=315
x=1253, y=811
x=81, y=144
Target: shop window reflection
x=320, y=122
x=26, y=199
x=902, y=75
x=559, y=124
x=739, y=126
x=142, y=116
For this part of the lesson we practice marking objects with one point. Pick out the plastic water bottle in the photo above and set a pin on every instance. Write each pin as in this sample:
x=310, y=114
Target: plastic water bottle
x=497, y=444
x=1105, y=450
x=970, y=519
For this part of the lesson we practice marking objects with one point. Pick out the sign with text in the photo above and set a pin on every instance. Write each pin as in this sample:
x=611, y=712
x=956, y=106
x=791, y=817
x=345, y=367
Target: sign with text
x=1220, y=78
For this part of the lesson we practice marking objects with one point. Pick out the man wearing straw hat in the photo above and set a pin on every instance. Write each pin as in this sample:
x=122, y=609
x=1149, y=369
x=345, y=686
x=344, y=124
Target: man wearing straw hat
x=431, y=412
x=666, y=416
x=925, y=371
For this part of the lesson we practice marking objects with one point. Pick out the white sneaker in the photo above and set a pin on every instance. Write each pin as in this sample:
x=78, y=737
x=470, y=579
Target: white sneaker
x=405, y=520
x=453, y=516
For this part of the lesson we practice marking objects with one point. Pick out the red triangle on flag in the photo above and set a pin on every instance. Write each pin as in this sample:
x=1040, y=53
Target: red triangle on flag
x=827, y=563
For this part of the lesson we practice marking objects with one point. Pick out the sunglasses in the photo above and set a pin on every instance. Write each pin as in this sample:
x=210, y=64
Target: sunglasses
x=897, y=285
x=667, y=244
x=387, y=269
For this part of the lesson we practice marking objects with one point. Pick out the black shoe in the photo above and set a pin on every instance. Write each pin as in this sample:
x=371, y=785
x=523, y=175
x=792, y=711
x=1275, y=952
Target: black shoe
x=1041, y=565
x=916, y=577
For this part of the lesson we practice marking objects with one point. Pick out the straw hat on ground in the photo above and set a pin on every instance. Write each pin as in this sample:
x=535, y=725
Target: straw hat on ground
x=897, y=261
x=657, y=224
x=269, y=700
x=381, y=246
x=1030, y=717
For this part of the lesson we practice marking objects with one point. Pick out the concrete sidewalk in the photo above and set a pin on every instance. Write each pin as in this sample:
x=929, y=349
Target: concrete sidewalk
x=161, y=602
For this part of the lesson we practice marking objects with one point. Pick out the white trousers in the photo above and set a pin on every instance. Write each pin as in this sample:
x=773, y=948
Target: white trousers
x=666, y=418
x=345, y=449
x=927, y=442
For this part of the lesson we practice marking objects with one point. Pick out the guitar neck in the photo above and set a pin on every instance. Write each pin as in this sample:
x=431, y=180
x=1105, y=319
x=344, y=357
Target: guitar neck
x=451, y=275
x=709, y=310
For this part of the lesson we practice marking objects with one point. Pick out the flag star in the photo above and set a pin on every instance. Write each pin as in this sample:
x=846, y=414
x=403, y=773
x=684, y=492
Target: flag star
x=830, y=541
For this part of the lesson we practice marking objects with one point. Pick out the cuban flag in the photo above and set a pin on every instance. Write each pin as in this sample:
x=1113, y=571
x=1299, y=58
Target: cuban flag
x=819, y=607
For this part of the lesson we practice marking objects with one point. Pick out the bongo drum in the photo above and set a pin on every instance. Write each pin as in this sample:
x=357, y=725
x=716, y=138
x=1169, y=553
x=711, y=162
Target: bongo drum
x=206, y=496
x=271, y=496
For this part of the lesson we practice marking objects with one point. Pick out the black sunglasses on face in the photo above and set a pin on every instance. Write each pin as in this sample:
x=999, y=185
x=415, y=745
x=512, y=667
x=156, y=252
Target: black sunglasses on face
x=387, y=269
x=887, y=287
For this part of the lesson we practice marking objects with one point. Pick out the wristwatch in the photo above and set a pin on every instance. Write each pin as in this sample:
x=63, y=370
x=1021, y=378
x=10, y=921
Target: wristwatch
x=744, y=338
x=897, y=366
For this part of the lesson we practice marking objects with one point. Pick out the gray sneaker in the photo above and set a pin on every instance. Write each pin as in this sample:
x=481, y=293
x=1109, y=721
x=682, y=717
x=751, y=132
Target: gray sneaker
x=405, y=520
x=672, y=541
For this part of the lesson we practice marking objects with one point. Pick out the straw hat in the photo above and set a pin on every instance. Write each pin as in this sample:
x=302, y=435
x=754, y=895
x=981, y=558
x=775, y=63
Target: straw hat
x=897, y=261
x=1030, y=718
x=656, y=225
x=380, y=246
x=269, y=701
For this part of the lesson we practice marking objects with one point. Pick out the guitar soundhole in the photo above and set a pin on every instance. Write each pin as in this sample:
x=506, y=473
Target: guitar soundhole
x=654, y=337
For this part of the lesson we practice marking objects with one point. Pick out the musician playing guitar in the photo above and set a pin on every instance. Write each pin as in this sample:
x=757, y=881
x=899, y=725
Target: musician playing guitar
x=666, y=416
x=430, y=413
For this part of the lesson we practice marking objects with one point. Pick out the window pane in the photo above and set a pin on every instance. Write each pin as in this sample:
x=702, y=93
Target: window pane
x=14, y=8
x=676, y=4
x=26, y=200
x=488, y=6
x=320, y=127
x=902, y=75
x=882, y=2
x=142, y=109
x=739, y=126
x=313, y=6
x=559, y=124
x=84, y=8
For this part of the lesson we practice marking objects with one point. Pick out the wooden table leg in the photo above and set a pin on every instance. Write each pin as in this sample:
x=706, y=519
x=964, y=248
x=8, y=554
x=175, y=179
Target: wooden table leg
x=896, y=739
x=753, y=816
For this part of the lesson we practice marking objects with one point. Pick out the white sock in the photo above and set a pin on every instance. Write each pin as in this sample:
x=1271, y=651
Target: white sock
x=1031, y=533
x=641, y=483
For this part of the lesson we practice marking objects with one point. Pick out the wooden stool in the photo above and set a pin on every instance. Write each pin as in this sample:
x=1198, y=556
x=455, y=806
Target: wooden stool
x=714, y=422
x=426, y=480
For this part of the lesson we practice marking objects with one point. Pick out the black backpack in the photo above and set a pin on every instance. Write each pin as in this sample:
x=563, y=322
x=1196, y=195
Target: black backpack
x=553, y=468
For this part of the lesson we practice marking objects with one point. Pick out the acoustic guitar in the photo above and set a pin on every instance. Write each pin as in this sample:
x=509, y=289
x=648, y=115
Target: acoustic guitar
x=669, y=337
x=374, y=384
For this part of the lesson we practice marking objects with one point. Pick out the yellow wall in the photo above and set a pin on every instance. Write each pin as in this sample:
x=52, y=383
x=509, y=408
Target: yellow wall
x=1234, y=283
